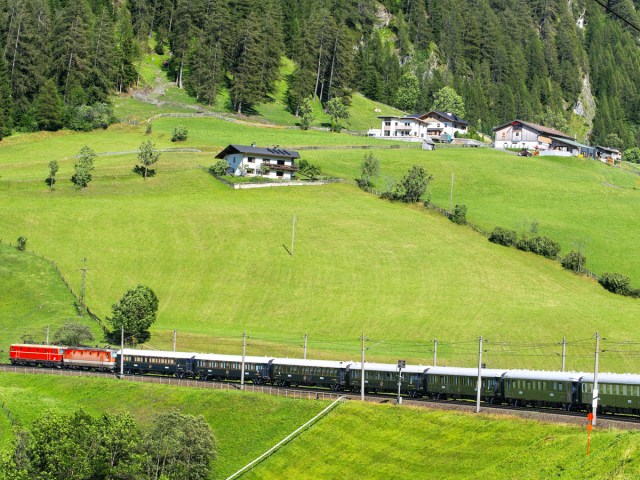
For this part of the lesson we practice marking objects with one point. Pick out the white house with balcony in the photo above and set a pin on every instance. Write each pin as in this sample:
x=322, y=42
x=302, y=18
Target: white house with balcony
x=252, y=161
x=438, y=126
x=521, y=134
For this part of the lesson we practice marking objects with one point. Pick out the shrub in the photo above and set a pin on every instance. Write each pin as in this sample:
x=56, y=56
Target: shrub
x=503, y=236
x=413, y=186
x=631, y=155
x=180, y=134
x=616, y=283
x=539, y=245
x=149, y=128
x=459, y=215
x=219, y=168
x=21, y=244
x=574, y=261
x=86, y=118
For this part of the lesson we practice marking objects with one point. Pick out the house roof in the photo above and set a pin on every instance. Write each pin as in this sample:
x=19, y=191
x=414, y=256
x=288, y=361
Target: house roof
x=265, y=152
x=573, y=143
x=535, y=126
x=608, y=149
x=449, y=116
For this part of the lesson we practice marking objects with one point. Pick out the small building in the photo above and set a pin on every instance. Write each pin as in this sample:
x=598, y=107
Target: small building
x=520, y=134
x=568, y=148
x=438, y=126
x=253, y=161
x=428, y=144
x=608, y=154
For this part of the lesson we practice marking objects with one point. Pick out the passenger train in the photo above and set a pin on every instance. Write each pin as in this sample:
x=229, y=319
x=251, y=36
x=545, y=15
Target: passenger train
x=618, y=393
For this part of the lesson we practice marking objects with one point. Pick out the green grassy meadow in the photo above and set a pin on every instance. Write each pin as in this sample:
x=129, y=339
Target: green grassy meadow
x=245, y=425
x=355, y=441
x=379, y=442
x=218, y=260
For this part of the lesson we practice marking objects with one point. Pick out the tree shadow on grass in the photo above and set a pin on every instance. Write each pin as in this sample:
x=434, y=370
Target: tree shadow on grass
x=140, y=171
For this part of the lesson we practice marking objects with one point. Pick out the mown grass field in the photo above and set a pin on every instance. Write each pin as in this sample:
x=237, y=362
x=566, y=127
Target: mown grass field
x=380, y=442
x=245, y=425
x=581, y=203
x=218, y=260
x=355, y=441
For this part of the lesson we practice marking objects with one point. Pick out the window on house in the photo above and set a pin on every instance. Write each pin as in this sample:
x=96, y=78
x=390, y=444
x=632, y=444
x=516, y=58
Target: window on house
x=280, y=162
x=280, y=174
x=251, y=159
x=387, y=124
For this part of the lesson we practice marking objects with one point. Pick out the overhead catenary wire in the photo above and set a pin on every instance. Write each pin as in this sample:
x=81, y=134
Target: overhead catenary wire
x=617, y=15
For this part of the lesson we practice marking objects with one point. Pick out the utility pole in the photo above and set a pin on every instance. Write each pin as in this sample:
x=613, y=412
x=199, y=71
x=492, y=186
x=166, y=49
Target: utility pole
x=451, y=196
x=435, y=351
x=479, y=386
x=306, y=337
x=293, y=232
x=47, y=342
x=244, y=351
x=401, y=365
x=84, y=280
x=122, y=352
x=564, y=352
x=596, y=391
x=174, y=340
x=362, y=372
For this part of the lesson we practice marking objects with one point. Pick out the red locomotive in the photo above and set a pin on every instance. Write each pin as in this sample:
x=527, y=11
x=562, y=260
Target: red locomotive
x=63, y=357
x=37, y=355
x=89, y=358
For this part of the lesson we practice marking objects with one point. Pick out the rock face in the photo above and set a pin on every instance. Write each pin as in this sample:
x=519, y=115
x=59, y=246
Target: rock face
x=586, y=104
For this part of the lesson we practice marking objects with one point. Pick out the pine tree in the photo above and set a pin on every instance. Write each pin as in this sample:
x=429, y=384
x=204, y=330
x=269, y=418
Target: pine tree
x=48, y=107
x=72, y=51
x=6, y=101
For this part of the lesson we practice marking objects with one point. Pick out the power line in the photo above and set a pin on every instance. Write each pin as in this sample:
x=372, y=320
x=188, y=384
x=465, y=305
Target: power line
x=612, y=12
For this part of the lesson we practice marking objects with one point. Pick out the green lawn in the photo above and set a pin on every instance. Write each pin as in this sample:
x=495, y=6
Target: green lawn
x=355, y=441
x=217, y=259
x=244, y=424
x=380, y=442
x=580, y=203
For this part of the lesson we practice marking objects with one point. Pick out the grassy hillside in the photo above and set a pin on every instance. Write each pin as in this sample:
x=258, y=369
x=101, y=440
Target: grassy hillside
x=354, y=441
x=32, y=296
x=245, y=425
x=380, y=442
x=581, y=203
x=217, y=260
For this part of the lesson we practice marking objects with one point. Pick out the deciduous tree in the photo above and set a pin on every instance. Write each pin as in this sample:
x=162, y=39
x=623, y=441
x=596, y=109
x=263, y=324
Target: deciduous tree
x=83, y=167
x=73, y=334
x=448, y=100
x=136, y=312
x=147, y=156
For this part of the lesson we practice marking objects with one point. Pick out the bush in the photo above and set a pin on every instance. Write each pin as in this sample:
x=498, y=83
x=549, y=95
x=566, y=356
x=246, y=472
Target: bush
x=180, y=134
x=540, y=246
x=459, y=215
x=219, y=168
x=631, y=155
x=574, y=261
x=503, y=236
x=616, y=283
x=86, y=118
x=21, y=244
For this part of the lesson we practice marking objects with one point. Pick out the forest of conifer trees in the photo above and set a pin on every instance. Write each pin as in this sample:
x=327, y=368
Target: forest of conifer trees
x=541, y=60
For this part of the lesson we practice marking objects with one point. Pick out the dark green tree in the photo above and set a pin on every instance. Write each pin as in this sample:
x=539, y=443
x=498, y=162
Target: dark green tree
x=6, y=101
x=48, y=107
x=414, y=185
x=135, y=312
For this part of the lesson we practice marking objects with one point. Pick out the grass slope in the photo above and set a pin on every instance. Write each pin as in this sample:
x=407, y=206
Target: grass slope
x=217, y=260
x=580, y=203
x=32, y=296
x=245, y=425
x=379, y=442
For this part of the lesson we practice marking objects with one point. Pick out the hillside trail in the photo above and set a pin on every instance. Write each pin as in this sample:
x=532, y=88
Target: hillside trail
x=155, y=94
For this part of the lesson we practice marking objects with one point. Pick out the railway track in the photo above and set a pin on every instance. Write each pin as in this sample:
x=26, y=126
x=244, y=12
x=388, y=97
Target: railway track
x=535, y=413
